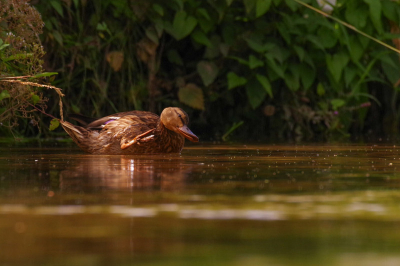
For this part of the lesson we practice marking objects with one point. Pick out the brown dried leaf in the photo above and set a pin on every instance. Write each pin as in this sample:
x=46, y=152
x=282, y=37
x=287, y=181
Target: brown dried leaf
x=115, y=59
x=269, y=110
x=192, y=95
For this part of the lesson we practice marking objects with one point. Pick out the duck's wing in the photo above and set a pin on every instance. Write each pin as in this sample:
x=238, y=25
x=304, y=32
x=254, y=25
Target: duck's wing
x=131, y=128
x=133, y=138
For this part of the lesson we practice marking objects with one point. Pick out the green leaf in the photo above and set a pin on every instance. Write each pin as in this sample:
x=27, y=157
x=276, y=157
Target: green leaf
x=45, y=74
x=275, y=67
x=182, y=25
x=240, y=60
x=75, y=109
x=229, y=2
x=249, y=5
x=219, y=7
x=233, y=128
x=349, y=75
x=152, y=34
x=265, y=83
x=258, y=45
x=320, y=89
x=4, y=95
x=336, y=103
x=284, y=32
x=35, y=99
x=180, y=3
x=200, y=37
x=292, y=81
x=57, y=6
x=174, y=57
x=388, y=59
x=214, y=50
x=208, y=71
x=205, y=25
x=336, y=63
x=389, y=9
x=3, y=45
x=229, y=33
x=356, y=14
x=292, y=4
x=191, y=95
x=17, y=57
x=224, y=49
x=204, y=13
x=76, y=3
x=254, y=62
x=307, y=76
x=300, y=52
x=255, y=93
x=262, y=6
x=103, y=27
x=316, y=41
x=159, y=26
x=58, y=37
x=235, y=80
x=159, y=9
x=356, y=50
x=281, y=54
x=375, y=10
x=327, y=37
x=392, y=73
x=54, y=123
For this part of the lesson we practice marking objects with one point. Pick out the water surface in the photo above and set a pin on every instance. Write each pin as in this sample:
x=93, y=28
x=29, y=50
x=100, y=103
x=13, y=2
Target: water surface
x=211, y=205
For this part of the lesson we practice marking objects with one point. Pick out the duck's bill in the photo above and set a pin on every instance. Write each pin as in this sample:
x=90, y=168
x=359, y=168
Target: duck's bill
x=187, y=133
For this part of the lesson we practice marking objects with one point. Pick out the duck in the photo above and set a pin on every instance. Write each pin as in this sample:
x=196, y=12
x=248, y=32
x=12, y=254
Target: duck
x=132, y=132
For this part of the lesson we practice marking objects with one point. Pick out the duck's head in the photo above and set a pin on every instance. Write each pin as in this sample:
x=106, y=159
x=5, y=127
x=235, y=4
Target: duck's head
x=175, y=119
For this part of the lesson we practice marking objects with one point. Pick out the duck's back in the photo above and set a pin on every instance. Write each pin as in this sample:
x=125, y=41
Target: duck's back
x=146, y=119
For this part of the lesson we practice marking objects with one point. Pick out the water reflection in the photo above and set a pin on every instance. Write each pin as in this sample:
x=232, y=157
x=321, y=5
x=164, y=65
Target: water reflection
x=222, y=205
x=115, y=172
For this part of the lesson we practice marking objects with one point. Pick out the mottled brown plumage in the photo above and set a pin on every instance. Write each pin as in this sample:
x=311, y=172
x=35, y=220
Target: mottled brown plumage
x=134, y=132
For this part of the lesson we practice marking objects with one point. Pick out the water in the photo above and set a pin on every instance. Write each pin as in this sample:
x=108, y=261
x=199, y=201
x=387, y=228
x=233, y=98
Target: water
x=211, y=205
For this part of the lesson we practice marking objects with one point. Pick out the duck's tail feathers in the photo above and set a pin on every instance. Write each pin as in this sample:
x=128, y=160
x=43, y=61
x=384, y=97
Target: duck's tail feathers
x=72, y=129
x=78, y=134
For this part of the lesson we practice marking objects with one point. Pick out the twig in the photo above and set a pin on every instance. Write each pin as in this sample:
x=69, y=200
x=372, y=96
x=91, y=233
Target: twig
x=43, y=112
x=12, y=78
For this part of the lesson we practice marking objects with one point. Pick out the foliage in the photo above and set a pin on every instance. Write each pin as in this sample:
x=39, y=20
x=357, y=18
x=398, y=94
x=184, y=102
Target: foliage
x=283, y=69
x=97, y=48
x=20, y=65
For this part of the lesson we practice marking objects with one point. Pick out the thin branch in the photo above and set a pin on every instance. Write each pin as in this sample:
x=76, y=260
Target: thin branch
x=43, y=112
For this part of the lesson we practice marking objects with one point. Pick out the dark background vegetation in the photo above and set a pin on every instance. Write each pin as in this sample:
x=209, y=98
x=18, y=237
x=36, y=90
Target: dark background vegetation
x=248, y=70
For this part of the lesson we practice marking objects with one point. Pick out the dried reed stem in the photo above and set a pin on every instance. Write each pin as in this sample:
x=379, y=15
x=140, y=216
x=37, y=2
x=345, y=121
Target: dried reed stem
x=58, y=90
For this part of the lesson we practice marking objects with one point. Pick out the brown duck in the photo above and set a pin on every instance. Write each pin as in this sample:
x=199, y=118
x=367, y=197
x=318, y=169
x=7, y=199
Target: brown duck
x=134, y=132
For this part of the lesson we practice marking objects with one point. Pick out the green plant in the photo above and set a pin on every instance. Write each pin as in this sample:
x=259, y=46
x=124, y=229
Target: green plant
x=315, y=71
x=21, y=72
x=279, y=67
